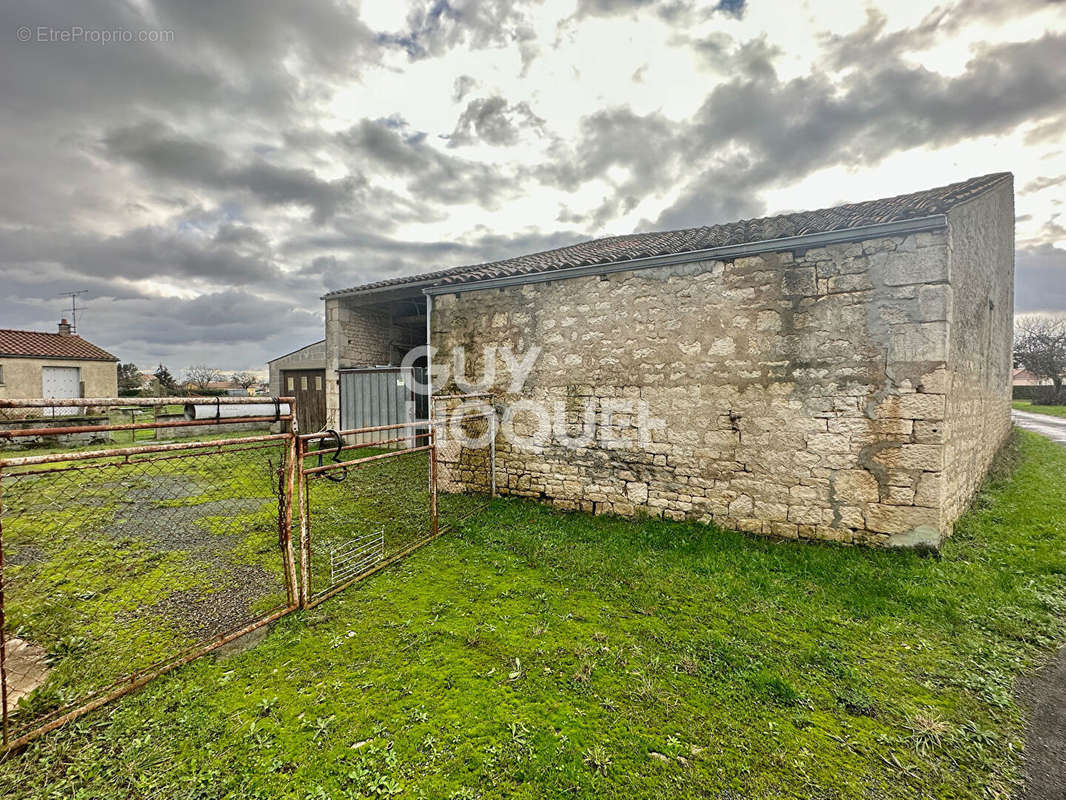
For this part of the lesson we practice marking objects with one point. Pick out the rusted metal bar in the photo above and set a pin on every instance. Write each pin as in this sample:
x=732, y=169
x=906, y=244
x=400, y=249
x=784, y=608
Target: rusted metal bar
x=292, y=469
x=3, y=623
x=422, y=423
x=305, y=525
x=433, y=487
x=357, y=461
x=54, y=458
x=85, y=402
x=138, y=681
x=137, y=426
x=364, y=445
x=132, y=460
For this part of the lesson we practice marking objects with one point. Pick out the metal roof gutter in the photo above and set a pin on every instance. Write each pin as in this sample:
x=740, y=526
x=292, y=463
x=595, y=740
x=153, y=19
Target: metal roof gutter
x=804, y=241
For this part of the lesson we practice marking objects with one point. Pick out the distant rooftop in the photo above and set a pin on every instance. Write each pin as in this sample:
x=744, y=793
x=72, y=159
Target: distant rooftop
x=36, y=344
x=614, y=249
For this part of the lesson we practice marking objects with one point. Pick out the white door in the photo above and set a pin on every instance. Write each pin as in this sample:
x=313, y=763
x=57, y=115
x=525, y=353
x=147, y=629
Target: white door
x=62, y=382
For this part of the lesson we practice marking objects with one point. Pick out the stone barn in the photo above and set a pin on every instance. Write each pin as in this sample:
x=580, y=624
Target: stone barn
x=841, y=374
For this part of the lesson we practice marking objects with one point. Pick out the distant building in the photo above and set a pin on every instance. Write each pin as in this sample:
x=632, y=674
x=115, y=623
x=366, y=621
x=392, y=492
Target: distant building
x=34, y=364
x=1023, y=377
x=302, y=374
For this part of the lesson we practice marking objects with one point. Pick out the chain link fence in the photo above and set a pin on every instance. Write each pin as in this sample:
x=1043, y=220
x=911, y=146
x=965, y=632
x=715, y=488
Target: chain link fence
x=369, y=500
x=118, y=564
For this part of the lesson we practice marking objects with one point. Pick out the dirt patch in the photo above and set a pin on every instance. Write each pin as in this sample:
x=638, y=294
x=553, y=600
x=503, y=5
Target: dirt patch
x=1043, y=694
x=206, y=614
x=26, y=669
x=226, y=605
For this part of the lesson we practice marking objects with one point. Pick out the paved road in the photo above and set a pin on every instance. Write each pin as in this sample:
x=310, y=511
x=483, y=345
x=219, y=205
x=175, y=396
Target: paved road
x=1052, y=427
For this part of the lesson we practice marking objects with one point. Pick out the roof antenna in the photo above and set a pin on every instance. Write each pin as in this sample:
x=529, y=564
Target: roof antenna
x=74, y=308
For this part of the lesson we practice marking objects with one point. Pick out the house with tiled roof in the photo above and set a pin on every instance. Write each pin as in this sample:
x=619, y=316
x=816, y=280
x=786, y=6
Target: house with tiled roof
x=34, y=364
x=840, y=374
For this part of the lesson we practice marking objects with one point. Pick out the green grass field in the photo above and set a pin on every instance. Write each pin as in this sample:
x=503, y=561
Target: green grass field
x=1026, y=405
x=540, y=654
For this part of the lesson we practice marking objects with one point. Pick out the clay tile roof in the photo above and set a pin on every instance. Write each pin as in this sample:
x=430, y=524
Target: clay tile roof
x=660, y=243
x=34, y=344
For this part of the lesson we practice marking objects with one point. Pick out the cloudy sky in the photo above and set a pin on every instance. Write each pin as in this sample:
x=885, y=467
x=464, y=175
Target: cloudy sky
x=208, y=188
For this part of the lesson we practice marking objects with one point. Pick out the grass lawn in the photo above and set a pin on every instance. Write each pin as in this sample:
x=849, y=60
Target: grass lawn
x=540, y=654
x=1026, y=405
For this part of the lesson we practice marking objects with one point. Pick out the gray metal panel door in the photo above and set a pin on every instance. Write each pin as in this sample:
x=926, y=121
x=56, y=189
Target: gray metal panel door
x=61, y=382
x=375, y=397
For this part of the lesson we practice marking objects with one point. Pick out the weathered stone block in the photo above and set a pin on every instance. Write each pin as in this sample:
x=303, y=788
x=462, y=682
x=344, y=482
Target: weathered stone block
x=911, y=406
x=900, y=519
x=855, y=486
x=912, y=457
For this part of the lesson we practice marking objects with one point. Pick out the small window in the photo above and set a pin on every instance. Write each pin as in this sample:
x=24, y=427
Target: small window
x=303, y=383
x=292, y=385
x=318, y=382
x=1, y=374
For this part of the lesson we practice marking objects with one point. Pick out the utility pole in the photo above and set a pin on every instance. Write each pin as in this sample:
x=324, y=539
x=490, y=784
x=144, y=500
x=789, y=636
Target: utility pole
x=74, y=308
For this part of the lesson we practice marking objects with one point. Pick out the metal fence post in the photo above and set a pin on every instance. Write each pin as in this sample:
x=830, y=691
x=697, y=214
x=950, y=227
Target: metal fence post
x=492, y=450
x=292, y=470
x=305, y=526
x=433, y=480
x=3, y=620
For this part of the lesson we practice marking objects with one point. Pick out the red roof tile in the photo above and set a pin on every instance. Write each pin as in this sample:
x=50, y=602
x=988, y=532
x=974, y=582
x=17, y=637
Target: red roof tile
x=35, y=344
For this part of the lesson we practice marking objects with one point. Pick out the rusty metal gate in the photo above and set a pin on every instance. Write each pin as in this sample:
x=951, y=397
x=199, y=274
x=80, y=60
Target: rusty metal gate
x=119, y=563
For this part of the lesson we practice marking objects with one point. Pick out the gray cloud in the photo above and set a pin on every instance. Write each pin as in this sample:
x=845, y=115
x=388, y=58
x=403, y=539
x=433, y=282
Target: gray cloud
x=1040, y=279
x=431, y=174
x=206, y=163
x=787, y=129
x=436, y=26
x=165, y=153
x=494, y=121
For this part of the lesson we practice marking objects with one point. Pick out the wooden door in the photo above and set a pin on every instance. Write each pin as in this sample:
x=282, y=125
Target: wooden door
x=308, y=386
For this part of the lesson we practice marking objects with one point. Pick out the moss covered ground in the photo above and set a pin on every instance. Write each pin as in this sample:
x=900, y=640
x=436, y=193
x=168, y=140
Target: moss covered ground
x=532, y=653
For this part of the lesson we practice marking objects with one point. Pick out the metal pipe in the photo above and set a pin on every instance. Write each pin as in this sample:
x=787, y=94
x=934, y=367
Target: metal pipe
x=3, y=624
x=358, y=461
x=137, y=426
x=209, y=411
x=55, y=458
x=305, y=527
x=78, y=402
x=292, y=467
x=364, y=445
x=433, y=487
x=419, y=423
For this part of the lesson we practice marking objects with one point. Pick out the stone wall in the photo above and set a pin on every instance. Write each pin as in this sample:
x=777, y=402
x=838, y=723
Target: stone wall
x=801, y=394
x=982, y=322
x=356, y=336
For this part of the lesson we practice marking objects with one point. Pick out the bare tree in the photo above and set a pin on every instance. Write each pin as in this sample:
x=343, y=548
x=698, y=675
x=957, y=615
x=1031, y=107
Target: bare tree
x=246, y=380
x=198, y=376
x=1040, y=347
